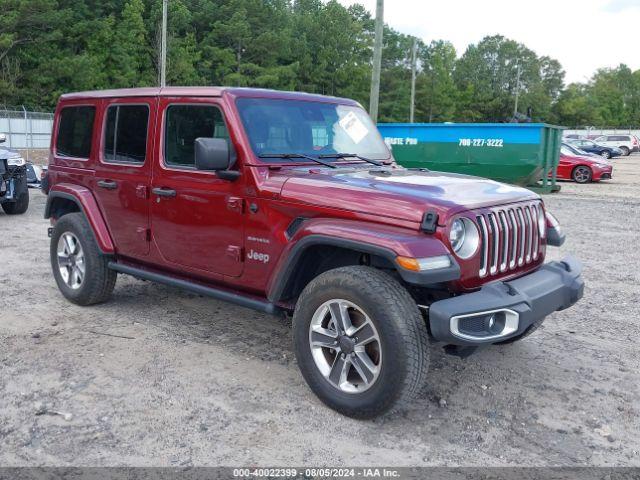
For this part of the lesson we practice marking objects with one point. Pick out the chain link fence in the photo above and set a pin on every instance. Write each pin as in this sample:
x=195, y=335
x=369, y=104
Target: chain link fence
x=593, y=132
x=25, y=130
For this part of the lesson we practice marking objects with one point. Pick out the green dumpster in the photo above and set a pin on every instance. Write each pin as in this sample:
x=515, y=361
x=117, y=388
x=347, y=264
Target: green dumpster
x=516, y=153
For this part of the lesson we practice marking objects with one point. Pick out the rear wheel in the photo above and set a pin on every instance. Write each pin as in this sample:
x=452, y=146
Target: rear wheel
x=625, y=151
x=360, y=341
x=582, y=174
x=80, y=269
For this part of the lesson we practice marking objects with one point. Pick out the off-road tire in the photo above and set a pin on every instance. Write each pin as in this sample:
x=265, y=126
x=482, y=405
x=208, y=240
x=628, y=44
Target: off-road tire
x=21, y=204
x=99, y=280
x=403, y=336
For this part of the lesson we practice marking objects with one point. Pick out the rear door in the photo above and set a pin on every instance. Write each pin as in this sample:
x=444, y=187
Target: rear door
x=196, y=217
x=123, y=172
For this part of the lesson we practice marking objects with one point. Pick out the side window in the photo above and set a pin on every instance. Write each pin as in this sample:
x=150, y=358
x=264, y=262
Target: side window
x=185, y=123
x=74, y=132
x=126, y=133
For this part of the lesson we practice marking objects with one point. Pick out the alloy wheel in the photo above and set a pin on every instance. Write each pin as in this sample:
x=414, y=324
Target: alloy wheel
x=71, y=262
x=345, y=346
x=582, y=175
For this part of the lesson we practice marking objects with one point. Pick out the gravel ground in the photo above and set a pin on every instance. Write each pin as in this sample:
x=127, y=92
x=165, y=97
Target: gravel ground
x=157, y=376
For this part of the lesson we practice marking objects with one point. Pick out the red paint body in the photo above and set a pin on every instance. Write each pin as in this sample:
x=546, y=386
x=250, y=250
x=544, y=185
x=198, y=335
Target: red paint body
x=569, y=162
x=208, y=230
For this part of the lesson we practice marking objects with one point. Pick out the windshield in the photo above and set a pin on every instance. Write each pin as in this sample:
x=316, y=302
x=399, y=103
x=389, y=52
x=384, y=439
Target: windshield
x=308, y=128
x=572, y=149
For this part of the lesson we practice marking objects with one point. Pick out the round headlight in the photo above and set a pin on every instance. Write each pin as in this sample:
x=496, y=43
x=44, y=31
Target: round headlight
x=542, y=222
x=464, y=237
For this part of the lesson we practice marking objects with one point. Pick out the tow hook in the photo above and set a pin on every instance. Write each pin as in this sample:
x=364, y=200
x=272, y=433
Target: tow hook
x=460, y=351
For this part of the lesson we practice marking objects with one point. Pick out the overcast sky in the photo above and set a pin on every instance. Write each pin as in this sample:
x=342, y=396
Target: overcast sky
x=583, y=35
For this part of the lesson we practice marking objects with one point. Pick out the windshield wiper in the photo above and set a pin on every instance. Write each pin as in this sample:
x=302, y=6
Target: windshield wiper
x=296, y=155
x=352, y=155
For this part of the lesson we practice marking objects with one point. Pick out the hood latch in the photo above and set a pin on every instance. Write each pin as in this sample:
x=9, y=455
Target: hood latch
x=429, y=222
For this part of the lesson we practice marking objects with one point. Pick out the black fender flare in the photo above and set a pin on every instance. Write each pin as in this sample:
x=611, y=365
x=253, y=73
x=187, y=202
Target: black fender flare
x=279, y=285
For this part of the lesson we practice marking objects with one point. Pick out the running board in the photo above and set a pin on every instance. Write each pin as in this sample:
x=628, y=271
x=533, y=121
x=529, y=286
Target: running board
x=238, y=299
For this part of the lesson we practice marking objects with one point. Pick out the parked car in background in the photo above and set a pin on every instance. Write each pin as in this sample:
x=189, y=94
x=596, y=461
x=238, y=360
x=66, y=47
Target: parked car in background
x=34, y=175
x=14, y=195
x=577, y=152
x=573, y=136
x=582, y=168
x=626, y=143
x=592, y=147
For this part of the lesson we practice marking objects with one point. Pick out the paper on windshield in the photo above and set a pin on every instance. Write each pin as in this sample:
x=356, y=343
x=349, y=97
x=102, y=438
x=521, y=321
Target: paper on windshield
x=356, y=130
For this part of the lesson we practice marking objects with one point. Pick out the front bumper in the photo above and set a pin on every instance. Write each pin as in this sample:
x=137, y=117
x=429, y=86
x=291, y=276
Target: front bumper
x=602, y=173
x=515, y=305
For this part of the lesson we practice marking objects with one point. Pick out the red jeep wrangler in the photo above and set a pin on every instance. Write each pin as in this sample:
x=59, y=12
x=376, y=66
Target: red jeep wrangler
x=289, y=202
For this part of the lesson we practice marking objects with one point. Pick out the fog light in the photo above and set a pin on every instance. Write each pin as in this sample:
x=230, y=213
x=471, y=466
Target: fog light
x=485, y=325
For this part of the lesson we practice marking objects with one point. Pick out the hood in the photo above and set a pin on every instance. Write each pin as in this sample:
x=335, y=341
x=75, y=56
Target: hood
x=398, y=193
x=6, y=153
x=588, y=159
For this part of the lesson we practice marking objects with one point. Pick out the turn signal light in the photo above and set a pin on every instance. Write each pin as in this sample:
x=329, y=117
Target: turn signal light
x=422, y=264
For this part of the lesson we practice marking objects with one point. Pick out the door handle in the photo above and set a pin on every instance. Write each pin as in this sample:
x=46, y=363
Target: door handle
x=164, y=192
x=108, y=184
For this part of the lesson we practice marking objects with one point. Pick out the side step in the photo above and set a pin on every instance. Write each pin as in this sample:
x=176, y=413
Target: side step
x=238, y=299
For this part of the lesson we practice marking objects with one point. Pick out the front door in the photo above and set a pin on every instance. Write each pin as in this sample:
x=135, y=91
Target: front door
x=123, y=173
x=196, y=217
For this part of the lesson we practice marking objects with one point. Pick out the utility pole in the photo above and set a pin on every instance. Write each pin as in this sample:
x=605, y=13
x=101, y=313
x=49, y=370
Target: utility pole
x=163, y=46
x=515, y=109
x=414, y=52
x=377, y=62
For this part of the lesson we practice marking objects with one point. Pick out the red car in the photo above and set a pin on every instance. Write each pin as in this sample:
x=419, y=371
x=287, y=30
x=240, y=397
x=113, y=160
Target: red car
x=290, y=203
x=582, y=168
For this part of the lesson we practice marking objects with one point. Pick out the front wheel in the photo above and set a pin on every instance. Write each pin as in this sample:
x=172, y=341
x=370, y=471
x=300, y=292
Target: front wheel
x=360, y=341
x=582, y=174
x=21, y=203
x=606, y=154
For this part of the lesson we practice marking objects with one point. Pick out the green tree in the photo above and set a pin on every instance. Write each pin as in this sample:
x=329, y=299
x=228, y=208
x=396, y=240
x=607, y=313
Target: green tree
x=436, y=91
x=487, y=74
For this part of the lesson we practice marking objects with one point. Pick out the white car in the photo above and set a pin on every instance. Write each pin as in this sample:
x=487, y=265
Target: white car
x=626, y=143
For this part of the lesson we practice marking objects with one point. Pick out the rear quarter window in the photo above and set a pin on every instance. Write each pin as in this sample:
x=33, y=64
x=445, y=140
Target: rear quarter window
x=75, y=131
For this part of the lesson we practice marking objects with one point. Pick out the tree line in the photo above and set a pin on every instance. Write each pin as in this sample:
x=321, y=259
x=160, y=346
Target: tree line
x=48, y=47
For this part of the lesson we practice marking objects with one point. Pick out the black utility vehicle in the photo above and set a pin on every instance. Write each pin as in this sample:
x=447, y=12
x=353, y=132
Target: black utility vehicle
x=14, y=193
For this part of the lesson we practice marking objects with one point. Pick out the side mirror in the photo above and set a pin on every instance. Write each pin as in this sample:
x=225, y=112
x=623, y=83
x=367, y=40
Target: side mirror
x=3, y=138
x=214, y=154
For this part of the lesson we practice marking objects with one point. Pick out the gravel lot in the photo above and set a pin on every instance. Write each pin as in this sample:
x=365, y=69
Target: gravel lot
x=186, y=380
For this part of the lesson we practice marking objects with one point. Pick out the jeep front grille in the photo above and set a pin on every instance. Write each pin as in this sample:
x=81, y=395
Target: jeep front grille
x=509, y=238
